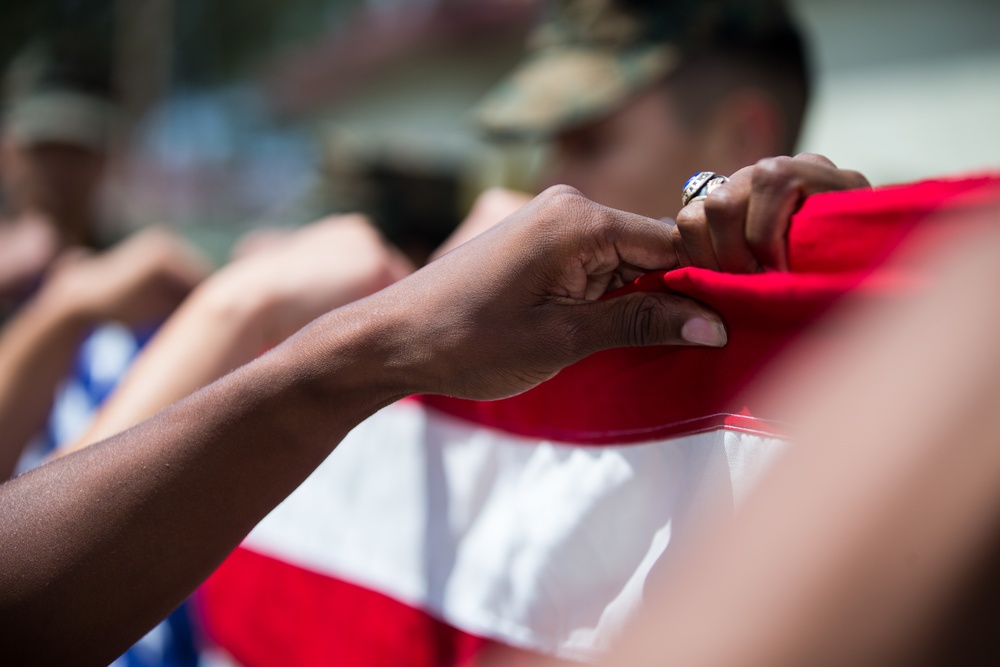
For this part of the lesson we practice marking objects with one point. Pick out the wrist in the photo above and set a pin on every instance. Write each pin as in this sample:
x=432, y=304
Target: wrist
x=230, y=307
x=367, y=355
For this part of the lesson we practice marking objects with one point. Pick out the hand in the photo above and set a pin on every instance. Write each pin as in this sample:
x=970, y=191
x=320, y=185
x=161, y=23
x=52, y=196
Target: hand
x=293, y=279
x=507, y=310
x=490, y=207
x=742, y=226
x=139, y=281
x=27, y=247
x=258, y=240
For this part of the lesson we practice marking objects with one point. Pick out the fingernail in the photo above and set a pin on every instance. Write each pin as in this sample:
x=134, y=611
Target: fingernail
x=701, y=331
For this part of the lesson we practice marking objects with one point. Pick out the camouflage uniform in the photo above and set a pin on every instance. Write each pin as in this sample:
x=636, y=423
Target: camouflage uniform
x=589, y=56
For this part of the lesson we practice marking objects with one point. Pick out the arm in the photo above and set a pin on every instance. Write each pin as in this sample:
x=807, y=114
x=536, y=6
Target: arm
x=112, y=537
x=36, y=350
x=139, y=281
x=247, y=308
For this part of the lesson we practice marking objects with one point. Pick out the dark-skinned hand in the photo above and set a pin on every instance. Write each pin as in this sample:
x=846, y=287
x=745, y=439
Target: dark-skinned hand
x=742, y=227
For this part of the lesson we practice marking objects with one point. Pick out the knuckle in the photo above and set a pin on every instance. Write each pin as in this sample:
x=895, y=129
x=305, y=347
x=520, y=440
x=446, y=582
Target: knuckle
x=815, y=158
x=777, y=176
x=856, y=179
x=563, y=200
x=689, y=218
x=564, y=203
x=560, y=191
x=723, y=205
x=773, y=171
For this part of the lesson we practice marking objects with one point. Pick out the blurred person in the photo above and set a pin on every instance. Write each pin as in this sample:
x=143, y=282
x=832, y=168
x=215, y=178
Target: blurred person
x=79, y=306
x=277, y=285
x=634, y=96
x=58, y=115
x=139, y=281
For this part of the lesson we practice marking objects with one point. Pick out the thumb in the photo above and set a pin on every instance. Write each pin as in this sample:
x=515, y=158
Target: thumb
x=649, y=318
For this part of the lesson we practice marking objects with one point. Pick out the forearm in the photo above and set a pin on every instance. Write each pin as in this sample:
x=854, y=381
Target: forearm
x=244, y=309
x=36, y=351
x=206, y=338
x=139, y=520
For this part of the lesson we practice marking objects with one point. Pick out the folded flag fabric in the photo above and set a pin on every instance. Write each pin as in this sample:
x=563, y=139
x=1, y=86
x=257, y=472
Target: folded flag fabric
x=442, y=529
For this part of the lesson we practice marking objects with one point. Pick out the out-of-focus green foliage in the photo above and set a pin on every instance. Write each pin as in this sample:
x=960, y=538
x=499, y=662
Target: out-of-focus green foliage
x=221, y=39
x=213, y=40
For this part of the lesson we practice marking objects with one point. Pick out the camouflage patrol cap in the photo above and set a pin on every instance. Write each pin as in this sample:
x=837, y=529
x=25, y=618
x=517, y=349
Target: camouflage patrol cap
x=589, y=56
x=59, y=92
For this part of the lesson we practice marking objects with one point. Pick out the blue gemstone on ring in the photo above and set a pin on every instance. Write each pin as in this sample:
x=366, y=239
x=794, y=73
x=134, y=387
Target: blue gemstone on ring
x=688, y=181
x=695, y=186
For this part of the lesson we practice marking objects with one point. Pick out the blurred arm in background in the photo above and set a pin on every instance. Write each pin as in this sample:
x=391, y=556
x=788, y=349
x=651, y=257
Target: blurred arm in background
x=137, y=282
x=248, y=307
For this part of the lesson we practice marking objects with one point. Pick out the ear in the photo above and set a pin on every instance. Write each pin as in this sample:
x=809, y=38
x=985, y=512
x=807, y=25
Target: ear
x=746, y=127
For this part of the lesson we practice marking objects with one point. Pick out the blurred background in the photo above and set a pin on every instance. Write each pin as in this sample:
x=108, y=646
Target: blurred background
x=238, y=113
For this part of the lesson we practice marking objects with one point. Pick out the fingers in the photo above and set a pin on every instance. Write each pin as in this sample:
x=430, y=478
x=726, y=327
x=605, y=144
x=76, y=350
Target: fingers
x=712, y=230
x=743, y=225
x=642, y=319
x=615, y=247
x=523, y=300
x=619, y=241
x=725, y=212
x=779, y=186
x=696, y=237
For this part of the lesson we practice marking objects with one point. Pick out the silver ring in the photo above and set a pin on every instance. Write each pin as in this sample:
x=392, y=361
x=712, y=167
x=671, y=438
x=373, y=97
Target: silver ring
x=701, y=185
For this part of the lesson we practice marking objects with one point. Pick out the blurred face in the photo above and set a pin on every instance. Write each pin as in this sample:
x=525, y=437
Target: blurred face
x=637, y=159
x=58, y=180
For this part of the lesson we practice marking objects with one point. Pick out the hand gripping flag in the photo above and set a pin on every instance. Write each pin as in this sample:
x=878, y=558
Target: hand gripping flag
x=441, y=528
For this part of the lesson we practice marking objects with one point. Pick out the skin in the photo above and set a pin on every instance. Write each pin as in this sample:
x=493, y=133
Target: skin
x=109, y=539
x=27, y=246
x=139, y=281
x=56, y=181
x=248, y=307
x=742, y=226
x=638, y=157
x=874, y=541
x=868, y=545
